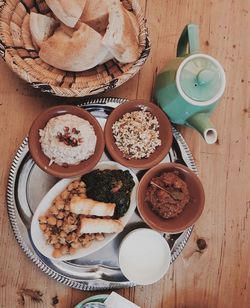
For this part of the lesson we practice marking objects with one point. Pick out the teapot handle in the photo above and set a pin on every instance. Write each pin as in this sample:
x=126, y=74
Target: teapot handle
x=189, y=38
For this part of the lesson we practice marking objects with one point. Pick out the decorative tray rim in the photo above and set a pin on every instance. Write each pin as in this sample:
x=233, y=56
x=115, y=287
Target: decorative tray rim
x=90, y=285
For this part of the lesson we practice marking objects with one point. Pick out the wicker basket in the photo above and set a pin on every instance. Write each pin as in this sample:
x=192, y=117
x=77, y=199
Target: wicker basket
x=18, y=51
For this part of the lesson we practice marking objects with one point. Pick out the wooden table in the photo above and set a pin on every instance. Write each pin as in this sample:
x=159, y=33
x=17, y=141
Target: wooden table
x=217, y=276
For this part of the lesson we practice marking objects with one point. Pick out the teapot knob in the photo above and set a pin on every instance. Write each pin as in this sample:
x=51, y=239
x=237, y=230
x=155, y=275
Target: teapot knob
x=205, y=76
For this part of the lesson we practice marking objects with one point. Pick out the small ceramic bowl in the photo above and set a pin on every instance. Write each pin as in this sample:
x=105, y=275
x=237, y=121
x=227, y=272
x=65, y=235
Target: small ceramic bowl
x=95, y=299
x=144, y=256
x=191, y=211
x=43, y=161
x=165, y=134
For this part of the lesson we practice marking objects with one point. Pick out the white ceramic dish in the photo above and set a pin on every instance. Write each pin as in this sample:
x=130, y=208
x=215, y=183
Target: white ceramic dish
x=144, y=256
x=37, y=235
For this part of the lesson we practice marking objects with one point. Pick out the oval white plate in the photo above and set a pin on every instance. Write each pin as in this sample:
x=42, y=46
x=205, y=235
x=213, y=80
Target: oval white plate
x=37, y=235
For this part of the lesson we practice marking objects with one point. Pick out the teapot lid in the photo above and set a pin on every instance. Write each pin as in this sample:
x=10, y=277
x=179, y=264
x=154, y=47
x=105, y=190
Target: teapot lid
x=200, y=79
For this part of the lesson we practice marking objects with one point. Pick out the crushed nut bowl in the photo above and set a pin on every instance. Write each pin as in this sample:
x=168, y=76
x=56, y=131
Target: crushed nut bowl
x=162, y=131
x=44, y=162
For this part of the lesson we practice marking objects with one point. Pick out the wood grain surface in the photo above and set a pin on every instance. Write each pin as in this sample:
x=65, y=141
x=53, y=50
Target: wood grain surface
x=217, y=276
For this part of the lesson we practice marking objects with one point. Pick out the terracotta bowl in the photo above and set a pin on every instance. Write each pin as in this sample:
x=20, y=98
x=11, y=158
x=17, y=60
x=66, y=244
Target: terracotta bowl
x=165, y=133
x=43, y=161
x=192, y=210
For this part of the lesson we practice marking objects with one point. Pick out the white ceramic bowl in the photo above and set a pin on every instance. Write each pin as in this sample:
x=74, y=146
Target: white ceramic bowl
x=38, y=236
x=144, y=256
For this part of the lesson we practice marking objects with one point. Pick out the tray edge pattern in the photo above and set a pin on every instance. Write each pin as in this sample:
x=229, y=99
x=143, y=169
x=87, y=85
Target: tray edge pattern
x=95, y=284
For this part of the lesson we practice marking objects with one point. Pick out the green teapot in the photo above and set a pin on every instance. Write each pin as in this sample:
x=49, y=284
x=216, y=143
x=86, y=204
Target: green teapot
x=191, y=86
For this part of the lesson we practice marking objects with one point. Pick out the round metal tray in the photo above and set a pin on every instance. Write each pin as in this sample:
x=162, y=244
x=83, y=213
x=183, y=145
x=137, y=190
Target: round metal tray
x=27, y=185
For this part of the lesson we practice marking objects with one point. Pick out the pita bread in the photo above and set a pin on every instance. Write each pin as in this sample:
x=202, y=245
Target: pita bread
x=69, y=31
x=100, y=225
x=41, y=27
x=108, y=57
x=135, y=24
x=121, y=38
x=86, y=206
x=67, y=11
x=95, y=14
x=81, y=51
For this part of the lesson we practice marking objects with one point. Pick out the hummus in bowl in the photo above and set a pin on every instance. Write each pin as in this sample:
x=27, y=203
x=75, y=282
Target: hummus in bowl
x=66, y=141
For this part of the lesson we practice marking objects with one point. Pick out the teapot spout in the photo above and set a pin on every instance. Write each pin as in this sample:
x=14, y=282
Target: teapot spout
x=204, y=126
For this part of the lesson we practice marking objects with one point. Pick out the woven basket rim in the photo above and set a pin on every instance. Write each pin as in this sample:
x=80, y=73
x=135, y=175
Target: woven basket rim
x=104, y=85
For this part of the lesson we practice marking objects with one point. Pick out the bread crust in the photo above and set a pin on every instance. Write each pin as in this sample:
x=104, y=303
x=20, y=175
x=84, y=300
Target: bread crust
x=67, y=11
x=121, y=38
x=100, y=225
x=41, y=27
x=86, y=206
x=81, y=51
x=95, y=14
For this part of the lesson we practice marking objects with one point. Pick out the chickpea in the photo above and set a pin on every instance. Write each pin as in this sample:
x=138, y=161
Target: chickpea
x=65, y=194
x=69, y=238
x=53, y=239
x=70, y=197
x=43, y=219
x=52, y=220
x=63, y=234
x=88, y=237
x=99, y=237
x=73, y=192
x=59, y=223
x=67, y=207
x=84, y=241
x=80, y=239
x=71, y=220
x=73, y=235
x=64, y=250
x=58, y=198
x=66, y=214
x=70, y=187
x=76, y=184
x=70, y=228
x=65, y=228
x=60, y=215
x=57, y=253
x=59, y=205
x=57, y=246
x=47, y=233
x=62, y=241
x=43, y=227
x=53, y=210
